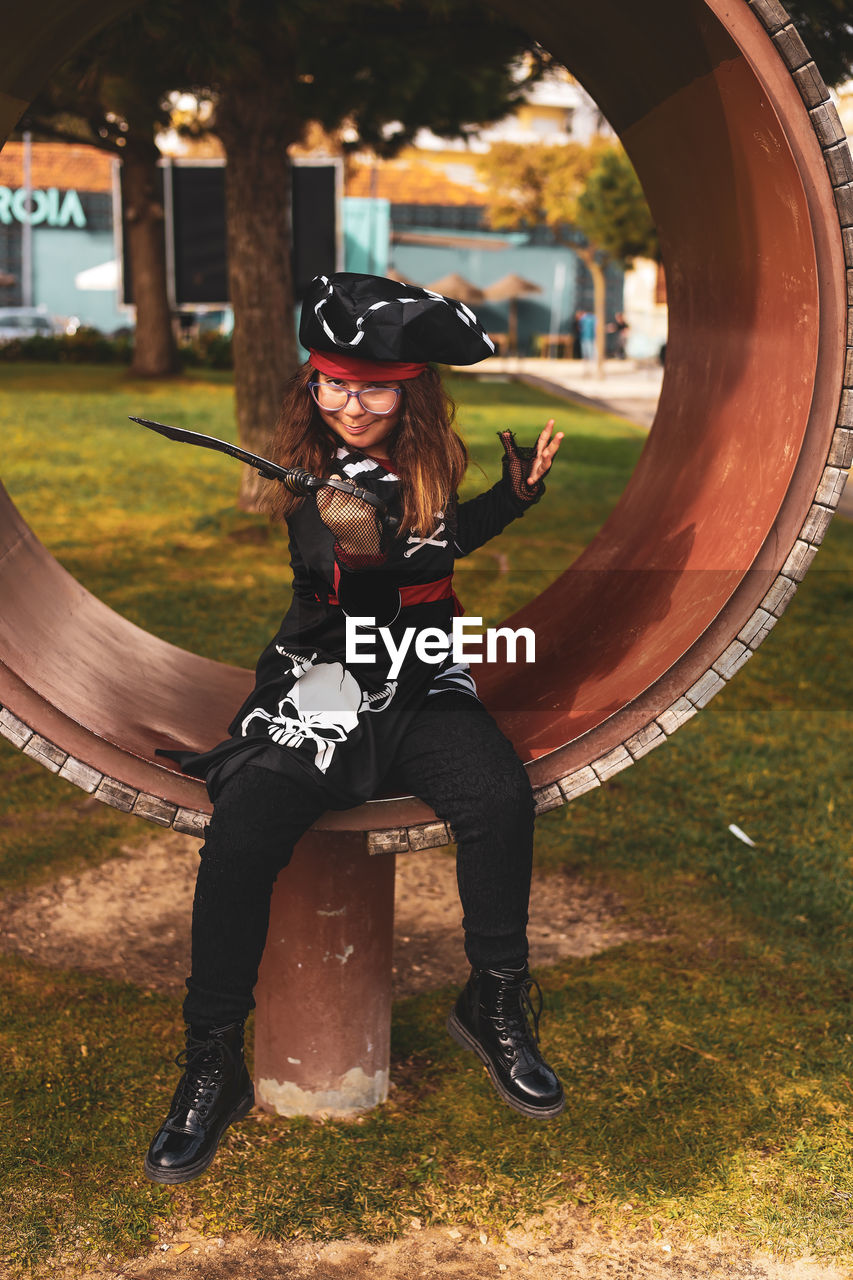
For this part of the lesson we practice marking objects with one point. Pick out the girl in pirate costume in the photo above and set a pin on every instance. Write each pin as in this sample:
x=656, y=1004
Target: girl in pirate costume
x=320, y=731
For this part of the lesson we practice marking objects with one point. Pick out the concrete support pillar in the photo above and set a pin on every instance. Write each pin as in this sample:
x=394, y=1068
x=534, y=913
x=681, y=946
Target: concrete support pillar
x=323, y=1015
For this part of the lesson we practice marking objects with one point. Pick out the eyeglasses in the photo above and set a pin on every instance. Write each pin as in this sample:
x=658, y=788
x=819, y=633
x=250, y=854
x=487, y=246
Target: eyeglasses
x=332, y=397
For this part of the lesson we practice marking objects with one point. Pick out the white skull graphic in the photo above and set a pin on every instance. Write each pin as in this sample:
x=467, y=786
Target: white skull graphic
x=326, y=701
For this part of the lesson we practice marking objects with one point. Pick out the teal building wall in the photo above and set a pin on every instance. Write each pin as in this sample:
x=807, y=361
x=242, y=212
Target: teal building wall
x=423, y=264
x=438, y=241
x=58, y=255
x=367, y=235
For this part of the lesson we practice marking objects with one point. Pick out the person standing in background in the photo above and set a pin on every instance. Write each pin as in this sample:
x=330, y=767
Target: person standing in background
x=586, y=328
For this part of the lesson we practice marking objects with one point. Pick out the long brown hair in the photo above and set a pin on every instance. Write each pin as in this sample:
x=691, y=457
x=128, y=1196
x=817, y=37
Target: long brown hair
x=427, y=454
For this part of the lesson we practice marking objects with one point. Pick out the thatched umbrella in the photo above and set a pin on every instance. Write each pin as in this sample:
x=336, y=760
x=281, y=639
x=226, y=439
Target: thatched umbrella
x=509, y=289
x=456, y=286
x=393, y=274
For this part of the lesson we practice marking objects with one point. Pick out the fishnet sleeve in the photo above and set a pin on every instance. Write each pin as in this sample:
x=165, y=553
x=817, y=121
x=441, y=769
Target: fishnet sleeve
x=517, y=463
x=359, y=537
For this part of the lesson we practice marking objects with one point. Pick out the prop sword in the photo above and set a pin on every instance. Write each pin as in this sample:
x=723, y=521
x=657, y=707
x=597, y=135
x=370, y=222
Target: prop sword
x=293, y=478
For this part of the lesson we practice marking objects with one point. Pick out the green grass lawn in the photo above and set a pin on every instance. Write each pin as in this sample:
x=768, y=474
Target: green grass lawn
x=707, y=1068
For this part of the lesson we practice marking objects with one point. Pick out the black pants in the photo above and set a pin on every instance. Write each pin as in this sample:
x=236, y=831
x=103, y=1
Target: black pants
x=454, y=758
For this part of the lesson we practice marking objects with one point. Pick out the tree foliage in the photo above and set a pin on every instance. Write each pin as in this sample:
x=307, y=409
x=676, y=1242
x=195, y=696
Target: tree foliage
x=386, y=67
x=535, y=186
x=572, y=188
x=827, y=29
x=612, y=211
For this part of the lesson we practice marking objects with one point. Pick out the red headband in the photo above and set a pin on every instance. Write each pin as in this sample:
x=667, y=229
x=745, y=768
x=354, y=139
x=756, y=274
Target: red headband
x=355, y=370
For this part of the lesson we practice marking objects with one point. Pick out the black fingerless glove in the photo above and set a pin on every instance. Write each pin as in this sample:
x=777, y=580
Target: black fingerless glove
x=517, y=463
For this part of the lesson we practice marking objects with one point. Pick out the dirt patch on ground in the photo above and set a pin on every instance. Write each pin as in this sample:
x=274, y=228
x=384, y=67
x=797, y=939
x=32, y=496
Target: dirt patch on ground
x=130, y=918
x=567, y=1244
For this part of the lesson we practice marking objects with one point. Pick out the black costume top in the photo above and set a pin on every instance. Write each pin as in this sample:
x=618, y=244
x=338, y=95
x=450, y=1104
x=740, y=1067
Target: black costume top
x=312, y=711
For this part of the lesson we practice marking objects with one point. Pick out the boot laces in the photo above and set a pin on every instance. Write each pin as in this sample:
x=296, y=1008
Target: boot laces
x=516, y=1008
x=203, y=1065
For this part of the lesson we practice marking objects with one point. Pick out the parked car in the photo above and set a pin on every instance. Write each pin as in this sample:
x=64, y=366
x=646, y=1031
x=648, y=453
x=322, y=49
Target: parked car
x=33, y=322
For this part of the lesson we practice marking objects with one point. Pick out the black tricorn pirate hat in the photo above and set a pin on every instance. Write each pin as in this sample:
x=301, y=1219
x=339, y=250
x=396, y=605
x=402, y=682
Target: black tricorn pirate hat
x=379, y=320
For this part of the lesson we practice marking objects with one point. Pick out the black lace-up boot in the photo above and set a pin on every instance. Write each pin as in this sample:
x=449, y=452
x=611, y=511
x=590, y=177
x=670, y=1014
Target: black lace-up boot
x=214, y=1091
x=491, y=1017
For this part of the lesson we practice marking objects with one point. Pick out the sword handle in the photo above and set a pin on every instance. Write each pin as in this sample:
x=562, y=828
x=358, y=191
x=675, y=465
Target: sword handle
x=297, y=480
x=303, y=482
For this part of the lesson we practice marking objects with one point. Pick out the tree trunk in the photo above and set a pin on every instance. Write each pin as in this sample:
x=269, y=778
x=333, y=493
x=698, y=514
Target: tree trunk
x=155, y=353
x=260, y=279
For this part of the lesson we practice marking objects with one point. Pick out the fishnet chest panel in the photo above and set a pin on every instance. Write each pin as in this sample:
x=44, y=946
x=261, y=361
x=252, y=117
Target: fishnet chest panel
x=354, y=524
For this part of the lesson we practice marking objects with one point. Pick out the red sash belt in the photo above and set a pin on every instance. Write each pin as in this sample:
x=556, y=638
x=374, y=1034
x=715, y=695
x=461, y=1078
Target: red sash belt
x=418, y=593
x=423, y=592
